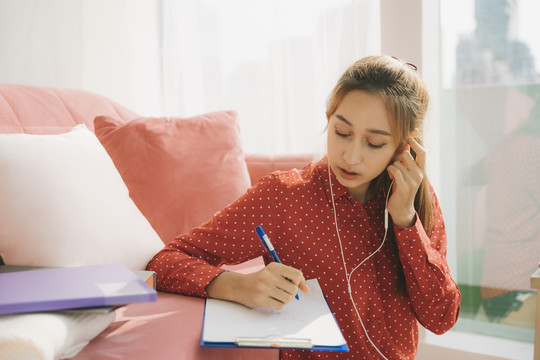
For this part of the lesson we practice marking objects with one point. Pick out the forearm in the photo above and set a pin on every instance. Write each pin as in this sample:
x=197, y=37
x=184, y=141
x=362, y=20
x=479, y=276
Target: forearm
x=433, y=293
x=178, y=272
x=434, y=296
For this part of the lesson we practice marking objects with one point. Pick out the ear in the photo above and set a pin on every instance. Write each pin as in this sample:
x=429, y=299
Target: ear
x=414, y=133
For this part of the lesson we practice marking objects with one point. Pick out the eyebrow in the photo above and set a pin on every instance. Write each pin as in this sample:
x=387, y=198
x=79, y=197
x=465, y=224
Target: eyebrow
x=374, y=131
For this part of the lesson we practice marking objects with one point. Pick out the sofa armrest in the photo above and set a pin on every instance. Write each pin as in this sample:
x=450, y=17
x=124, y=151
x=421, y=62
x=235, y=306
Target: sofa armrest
x=260, y=165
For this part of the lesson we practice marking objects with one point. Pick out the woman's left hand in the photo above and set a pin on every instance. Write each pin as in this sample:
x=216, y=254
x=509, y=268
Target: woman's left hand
x=407, y=174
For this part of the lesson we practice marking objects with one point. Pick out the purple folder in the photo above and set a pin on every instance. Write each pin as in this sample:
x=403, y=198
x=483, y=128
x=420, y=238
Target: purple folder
x=71, y=288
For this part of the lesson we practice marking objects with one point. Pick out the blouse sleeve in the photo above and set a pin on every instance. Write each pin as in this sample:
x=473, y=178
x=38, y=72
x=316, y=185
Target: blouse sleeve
x=189, y=263
x=434, y=295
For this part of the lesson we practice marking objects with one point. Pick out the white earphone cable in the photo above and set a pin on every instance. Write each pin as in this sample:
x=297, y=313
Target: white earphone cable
x=348, y=275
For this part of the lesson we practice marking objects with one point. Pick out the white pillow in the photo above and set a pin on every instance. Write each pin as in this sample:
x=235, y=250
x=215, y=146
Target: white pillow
x=50, y=335
x=63, y=203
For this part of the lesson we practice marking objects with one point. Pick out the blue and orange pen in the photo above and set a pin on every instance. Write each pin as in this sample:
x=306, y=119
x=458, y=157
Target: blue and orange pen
x=269, y=247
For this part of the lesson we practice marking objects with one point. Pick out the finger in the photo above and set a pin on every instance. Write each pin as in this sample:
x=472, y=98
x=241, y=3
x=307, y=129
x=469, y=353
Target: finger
x=406, y=159
x=274, y=303
x=270, y=291
x=293, y=288
x=288, y=272
x=286, y=285
x=266, y=296
x=400, y=169
x=420, y=153
x=410, y=173
x=293, y=277
x=304, y=287
x=281, y=295
x=396, y=171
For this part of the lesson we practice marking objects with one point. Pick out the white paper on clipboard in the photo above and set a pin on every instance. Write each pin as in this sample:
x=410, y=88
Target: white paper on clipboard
x=308, y=319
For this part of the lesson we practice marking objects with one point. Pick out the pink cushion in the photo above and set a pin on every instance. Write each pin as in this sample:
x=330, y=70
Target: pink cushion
x=179, y=171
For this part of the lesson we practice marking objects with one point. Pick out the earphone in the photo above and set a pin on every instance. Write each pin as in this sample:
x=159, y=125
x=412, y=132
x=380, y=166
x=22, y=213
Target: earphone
x=348, y=275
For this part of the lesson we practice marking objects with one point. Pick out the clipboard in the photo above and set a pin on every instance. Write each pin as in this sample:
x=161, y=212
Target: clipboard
x=306, y=324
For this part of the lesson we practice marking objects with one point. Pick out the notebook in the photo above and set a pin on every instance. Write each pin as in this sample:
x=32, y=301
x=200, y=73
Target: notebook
x=304, y=324
x=71, y=288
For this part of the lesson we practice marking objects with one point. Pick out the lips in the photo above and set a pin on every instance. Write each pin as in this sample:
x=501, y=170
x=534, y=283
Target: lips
x=347, y=175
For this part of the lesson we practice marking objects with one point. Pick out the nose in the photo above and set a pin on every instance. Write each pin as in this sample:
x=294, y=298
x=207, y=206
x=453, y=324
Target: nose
x=353, y=153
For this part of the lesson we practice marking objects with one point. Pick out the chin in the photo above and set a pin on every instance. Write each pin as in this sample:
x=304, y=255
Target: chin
x=350, y=184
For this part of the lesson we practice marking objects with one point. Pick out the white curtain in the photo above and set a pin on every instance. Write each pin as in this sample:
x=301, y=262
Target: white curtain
x=273, y=61
x=105, y=46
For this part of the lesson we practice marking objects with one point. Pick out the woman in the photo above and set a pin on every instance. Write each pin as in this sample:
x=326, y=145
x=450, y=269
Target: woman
x=327, y=221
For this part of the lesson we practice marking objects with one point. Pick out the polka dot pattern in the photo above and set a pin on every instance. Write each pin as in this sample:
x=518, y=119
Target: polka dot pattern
x=295, y=209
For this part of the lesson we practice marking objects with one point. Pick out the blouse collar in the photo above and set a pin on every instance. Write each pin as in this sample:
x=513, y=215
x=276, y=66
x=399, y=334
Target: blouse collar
x=337, y=189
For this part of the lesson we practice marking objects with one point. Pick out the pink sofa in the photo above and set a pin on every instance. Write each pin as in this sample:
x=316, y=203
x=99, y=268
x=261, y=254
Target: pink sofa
x=169, y=328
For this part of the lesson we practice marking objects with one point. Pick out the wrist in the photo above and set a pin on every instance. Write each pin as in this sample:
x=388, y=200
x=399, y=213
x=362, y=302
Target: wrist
x=223, y=286
x=405, y=221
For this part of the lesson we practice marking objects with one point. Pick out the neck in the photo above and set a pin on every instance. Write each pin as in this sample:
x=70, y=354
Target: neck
x=362, y=195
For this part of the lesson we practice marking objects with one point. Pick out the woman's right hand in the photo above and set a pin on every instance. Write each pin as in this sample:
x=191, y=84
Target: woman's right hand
x=272, y=287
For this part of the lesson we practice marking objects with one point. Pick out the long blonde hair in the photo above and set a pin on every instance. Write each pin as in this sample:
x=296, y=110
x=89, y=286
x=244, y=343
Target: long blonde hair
x=406, y=97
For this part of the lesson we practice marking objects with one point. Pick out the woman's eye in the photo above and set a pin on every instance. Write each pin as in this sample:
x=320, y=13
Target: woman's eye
x=338, y=133
x=373, y=146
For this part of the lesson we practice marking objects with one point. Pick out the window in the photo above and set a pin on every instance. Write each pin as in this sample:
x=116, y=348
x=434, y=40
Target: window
x=490, y=118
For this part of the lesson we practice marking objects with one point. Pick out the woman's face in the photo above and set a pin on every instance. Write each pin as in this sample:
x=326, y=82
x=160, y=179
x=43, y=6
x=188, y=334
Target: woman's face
x=360, y=142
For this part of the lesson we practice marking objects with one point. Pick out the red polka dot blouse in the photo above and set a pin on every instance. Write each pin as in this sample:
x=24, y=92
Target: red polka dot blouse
x=295, y=209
